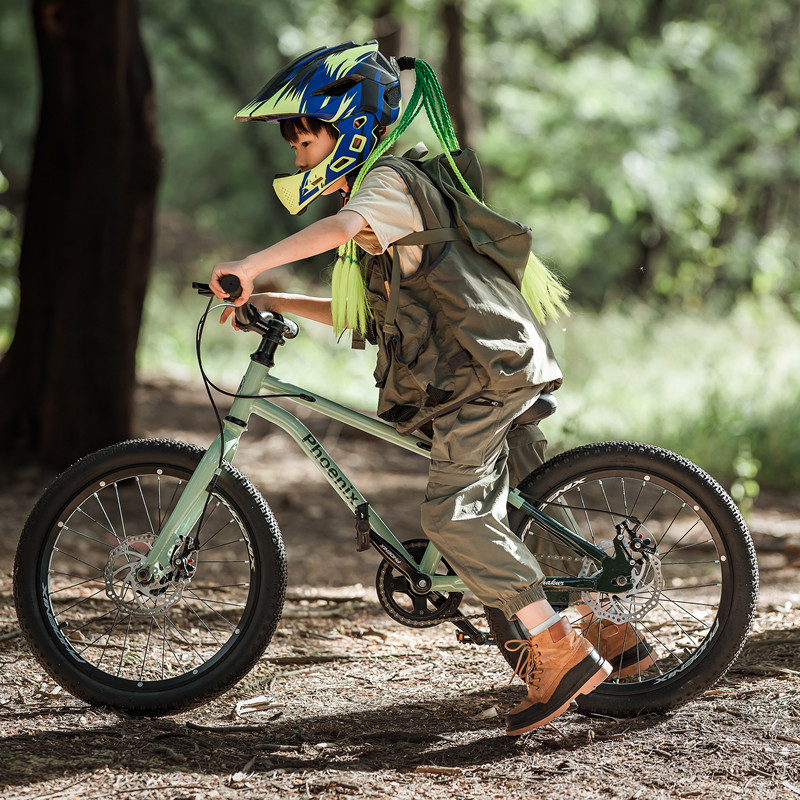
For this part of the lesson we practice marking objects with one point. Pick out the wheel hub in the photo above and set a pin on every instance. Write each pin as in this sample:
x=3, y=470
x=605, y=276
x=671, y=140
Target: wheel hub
x=127, y=592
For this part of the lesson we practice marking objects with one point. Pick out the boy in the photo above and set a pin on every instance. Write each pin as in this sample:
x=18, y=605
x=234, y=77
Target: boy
x=460, y=355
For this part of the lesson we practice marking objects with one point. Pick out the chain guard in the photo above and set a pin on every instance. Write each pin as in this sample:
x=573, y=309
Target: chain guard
x=634, y=604
x=407, y=607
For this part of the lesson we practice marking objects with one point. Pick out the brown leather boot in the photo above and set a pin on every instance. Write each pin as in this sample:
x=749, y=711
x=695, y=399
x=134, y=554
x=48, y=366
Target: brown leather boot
x=557, y=665
x=620, y=645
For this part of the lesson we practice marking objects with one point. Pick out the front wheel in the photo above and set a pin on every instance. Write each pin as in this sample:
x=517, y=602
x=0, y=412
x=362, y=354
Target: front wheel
x=147, y=650
x=691, y=602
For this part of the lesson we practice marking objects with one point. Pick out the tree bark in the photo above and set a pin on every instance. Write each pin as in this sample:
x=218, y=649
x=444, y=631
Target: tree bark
x=67, y=381
x=453, y=80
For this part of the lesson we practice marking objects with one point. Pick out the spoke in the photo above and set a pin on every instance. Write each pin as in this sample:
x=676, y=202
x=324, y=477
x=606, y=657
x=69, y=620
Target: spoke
x=680, y=627
x=214, y=610
x=693, y=603
x=671, y=523
x=168, y=620
x=208, y=600
x=171, y=500
x=688, y=546
x=165, y=638
x=144, y=504
x=78, y=602
x=202, y=621
x=146, y=649
x=86, y=535
x=233, y=586
x=72, y=585
x=124, y=644
x=666, y=647
x=68, y=575
x=206, y=515
x=93, y=620
x=104, y=633
x=204, y=549
x=158, y=498
x=655, y=504
x=225, y=524
x=642, y=484
x=108, y=640
x=688, y=588
x=69, y=555
x=586, y=514
x=119, y=506
x=686, y=611
x=697, y=522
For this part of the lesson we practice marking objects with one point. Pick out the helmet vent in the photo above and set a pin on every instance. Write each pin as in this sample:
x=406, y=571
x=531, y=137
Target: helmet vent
x=340, y=87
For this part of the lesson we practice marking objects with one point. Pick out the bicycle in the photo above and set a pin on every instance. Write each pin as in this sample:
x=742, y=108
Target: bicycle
x=150, y=576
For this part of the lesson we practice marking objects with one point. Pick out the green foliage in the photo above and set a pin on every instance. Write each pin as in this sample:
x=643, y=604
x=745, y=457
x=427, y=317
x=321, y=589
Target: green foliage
x=653, y=147
x=721, y=389
x=656, y=155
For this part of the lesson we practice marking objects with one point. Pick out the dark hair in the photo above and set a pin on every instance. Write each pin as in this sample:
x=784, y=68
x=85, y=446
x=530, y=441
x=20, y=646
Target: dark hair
x=292, y=128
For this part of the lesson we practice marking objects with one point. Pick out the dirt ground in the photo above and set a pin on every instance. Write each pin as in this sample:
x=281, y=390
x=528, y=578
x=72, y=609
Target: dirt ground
x=355, y=705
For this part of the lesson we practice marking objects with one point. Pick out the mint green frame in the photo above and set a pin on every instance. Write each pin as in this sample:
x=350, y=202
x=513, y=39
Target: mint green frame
x=257, y=380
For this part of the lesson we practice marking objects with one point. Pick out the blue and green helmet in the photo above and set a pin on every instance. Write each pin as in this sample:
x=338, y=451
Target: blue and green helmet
x=353, y=87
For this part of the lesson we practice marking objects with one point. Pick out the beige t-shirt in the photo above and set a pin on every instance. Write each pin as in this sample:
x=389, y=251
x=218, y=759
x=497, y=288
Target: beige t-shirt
x=383, y=200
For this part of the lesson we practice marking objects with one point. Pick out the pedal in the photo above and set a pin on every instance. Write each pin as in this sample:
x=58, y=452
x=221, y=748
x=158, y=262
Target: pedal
x=479, y=637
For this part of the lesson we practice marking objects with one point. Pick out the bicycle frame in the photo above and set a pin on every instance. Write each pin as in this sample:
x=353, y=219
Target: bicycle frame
x=257, y=379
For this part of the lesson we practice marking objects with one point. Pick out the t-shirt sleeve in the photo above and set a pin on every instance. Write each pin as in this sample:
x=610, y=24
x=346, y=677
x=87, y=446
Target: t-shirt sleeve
x=383, y=200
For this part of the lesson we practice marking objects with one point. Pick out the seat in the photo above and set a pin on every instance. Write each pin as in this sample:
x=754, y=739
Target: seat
x=545, y=405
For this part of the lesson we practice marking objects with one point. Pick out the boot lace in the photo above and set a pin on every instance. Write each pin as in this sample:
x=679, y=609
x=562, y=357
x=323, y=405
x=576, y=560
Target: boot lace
x=528, y=667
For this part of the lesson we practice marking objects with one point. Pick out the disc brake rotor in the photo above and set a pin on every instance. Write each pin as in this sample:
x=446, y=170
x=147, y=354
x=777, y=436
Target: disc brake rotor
x=632, y=605
x=127, y=593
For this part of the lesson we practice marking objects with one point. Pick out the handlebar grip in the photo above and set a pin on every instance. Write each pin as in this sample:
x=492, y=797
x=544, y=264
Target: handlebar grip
x=232, y=285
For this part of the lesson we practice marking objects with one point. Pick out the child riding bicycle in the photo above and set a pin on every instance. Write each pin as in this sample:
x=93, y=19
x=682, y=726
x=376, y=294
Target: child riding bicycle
x=461, y=351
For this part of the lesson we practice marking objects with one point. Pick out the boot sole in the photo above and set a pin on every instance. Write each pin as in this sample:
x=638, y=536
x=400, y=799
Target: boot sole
x=588, y=686
x=633, y=661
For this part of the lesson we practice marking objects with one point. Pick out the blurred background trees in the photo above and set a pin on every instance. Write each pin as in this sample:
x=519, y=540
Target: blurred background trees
x=652, y=146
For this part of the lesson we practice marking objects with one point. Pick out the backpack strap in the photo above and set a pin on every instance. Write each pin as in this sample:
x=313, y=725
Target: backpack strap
x=432, y=236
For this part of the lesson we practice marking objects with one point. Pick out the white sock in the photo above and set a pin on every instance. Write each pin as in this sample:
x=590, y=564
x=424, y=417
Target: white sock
x=545, y=625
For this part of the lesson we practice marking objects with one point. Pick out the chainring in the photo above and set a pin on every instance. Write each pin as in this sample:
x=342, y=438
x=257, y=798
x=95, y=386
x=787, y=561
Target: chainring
x=406, y=606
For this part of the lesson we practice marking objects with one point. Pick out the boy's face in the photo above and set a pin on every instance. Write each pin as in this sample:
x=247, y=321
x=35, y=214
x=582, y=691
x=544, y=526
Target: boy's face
x=311, y=149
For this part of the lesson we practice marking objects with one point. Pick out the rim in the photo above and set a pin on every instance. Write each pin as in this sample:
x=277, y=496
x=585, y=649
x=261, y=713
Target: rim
x=674, y=609
x=131, y=636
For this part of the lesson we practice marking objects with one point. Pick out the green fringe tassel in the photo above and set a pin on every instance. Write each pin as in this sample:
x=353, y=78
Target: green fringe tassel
x=349, y=307
x=543, y=291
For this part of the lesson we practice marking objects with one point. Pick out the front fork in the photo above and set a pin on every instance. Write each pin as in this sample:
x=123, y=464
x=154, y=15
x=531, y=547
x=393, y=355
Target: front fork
x=189, y=508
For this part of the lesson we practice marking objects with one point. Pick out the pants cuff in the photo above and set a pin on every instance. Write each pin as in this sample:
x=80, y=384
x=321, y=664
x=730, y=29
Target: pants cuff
x=521, y=599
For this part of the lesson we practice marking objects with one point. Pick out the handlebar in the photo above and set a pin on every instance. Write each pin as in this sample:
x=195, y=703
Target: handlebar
x=248, y=316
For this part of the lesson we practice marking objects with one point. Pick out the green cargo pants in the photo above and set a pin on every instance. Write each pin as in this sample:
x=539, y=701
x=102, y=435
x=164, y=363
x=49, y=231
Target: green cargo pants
x=464, y=511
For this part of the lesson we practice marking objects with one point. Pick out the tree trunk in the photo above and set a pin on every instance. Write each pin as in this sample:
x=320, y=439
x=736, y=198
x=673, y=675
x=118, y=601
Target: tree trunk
x=67, y=381
x=453, y=79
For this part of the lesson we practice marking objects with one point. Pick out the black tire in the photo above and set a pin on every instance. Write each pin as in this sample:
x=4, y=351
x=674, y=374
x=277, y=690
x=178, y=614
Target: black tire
x=701, y=616
x=117, y=647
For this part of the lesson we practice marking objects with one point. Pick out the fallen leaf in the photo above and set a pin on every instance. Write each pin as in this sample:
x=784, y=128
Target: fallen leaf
x=488, y=713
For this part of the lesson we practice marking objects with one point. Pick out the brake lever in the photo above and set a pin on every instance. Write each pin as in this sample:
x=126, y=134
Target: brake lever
x=202, y=288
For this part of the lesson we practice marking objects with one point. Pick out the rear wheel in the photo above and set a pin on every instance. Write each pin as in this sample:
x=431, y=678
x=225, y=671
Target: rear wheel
x=147, y=649
x=692, y=601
